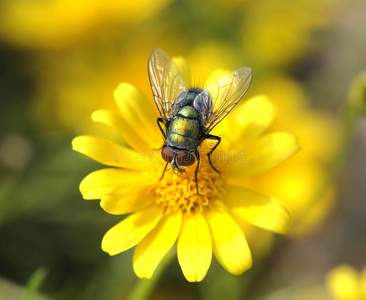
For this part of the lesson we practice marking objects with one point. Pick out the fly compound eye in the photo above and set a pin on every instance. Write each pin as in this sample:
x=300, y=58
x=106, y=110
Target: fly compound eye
x=185, y=158
x=167, y=154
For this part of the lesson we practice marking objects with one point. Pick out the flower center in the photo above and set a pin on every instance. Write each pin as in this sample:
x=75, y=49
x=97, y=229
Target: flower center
x=177, y=190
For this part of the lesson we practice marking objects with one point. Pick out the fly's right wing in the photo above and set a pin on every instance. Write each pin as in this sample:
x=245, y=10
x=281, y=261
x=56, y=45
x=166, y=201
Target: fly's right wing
x=166, y=81
x=225, y=93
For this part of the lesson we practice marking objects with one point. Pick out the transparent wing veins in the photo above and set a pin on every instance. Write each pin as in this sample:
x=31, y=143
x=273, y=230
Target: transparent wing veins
x=166, y=81
x=225, y=93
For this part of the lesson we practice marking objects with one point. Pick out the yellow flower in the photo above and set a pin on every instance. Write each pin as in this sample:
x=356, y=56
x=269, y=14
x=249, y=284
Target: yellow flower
x=345, y=283
x=68, y=89
x=280, y=31
x=167, y=209
x=58, y=23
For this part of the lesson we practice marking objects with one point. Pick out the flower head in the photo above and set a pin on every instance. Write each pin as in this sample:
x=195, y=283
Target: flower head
x=167, y=209
x=345, y=283
x=56, y=24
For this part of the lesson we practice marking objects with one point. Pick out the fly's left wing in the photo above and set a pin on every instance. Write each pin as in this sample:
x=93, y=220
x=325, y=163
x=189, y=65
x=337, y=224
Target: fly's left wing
x=166, y=81
x=225, y=93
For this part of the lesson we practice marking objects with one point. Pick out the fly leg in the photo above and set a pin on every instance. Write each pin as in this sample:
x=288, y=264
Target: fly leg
x=218, y=139
x=162, y=175
x=196, y=172
x=160, y=120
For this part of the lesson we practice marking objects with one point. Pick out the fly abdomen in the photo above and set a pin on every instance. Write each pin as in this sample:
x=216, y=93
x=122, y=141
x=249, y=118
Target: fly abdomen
x=182, y=142
x=184, y=129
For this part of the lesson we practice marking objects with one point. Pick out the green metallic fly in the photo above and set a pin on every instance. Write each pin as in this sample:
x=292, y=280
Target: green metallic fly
x=189, y=114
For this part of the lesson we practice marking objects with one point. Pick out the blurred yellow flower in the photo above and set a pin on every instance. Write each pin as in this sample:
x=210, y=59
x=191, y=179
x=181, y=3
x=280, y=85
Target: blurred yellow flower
x=209, y=56
x=58, y=23
x=168, y=209
x=73, y=84
x=277, y=33
x=346, y=283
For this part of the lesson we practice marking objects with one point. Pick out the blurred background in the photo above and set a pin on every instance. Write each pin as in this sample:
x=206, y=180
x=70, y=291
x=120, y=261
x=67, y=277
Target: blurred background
x=61, y=60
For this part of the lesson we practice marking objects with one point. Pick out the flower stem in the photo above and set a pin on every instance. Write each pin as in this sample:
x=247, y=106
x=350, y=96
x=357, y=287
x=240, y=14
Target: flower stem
x=34, y=284
x=354, y=107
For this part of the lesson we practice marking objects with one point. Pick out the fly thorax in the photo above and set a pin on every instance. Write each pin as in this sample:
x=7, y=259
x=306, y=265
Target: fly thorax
x=188, y=112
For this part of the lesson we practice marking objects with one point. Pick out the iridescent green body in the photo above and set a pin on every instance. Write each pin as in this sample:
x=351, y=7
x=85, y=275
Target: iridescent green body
x=184, y=129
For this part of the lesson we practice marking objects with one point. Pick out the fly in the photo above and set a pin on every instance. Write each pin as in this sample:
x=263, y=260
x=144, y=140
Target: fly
x=189, y=114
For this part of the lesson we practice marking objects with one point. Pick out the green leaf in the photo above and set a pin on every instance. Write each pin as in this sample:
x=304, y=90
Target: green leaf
x=34, y=284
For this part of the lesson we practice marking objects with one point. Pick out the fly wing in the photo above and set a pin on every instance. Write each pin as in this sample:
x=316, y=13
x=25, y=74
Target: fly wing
x=166, y=81
x=225, y=93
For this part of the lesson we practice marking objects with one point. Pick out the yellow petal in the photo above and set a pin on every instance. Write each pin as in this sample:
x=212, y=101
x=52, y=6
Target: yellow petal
x=261, y=241
x=108, y=153
x=151, y=250
x=215, y=75
x=131, y=231
x=250, y=119
x=263, y=153
x=139, y=113
x=194, y=247
x=229, y=244
x=131, y=136
x=128, y=197
x=100, y=182
x=308, y=214
x=343, y=283
x=259, y=210
x=183, y=68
